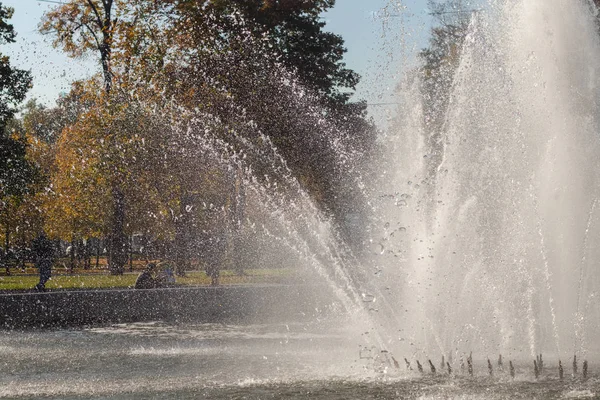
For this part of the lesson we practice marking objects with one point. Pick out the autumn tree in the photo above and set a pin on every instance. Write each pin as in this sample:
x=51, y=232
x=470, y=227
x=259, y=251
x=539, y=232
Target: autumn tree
x=50, y=205
x=27, y=215
x=80, y=27
x=247, y=68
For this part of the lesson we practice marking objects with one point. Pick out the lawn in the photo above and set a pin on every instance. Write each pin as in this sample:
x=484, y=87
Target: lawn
x=102, y=280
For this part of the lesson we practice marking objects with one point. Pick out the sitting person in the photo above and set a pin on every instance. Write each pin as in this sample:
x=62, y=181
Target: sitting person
x=146, y=279
x=165, y=276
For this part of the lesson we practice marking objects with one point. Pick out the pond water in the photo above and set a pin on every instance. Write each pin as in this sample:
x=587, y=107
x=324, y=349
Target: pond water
x=292, y=361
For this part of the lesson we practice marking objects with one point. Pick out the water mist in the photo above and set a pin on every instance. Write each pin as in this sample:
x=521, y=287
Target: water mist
x=489, y=225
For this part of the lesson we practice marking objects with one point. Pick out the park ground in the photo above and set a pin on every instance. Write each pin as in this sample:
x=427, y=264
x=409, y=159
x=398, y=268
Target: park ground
x=23, y=280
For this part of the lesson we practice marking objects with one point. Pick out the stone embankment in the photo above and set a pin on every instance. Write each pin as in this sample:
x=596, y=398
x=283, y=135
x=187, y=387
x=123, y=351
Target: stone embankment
x=227, y=304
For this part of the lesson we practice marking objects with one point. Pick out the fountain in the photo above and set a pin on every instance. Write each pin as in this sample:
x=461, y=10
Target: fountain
x=482, y=242
x=490, y=224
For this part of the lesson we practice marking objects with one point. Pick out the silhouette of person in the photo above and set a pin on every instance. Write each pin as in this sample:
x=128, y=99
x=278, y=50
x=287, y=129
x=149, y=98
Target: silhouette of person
x=43, y=251
x=146, y=279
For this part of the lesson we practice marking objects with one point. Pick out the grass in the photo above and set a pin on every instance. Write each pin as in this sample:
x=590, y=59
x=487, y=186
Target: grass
x=94, y=279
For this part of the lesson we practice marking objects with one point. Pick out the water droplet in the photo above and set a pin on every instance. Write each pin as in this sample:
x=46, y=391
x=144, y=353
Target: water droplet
x=401, y=203
x=368, y=298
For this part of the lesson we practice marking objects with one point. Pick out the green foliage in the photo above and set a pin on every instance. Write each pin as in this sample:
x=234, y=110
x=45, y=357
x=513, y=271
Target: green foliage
x=272, y=63
x=7, y=31
x=293, y=31
x=17, y=173
x=14, y=83
x=45, y=124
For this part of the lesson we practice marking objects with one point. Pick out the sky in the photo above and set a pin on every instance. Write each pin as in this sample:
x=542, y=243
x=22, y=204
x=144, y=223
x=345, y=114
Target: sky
x=379, y=47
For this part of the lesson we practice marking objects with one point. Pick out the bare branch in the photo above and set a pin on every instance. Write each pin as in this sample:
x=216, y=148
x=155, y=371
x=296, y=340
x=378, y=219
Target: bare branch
x=93, y=33
x=97, y=13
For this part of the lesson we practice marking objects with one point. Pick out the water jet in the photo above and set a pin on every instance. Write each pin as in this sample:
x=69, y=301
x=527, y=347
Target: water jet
x=561, y=372
x=470, y=365
x=511, y=369
x=432, y=367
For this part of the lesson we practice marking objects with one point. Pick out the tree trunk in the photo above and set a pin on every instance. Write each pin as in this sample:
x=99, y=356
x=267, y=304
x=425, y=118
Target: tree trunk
x=117, y=256
x=131, y=253
x=87, y=255
x=72, y=256
x=7, y=237
x=98, y=250
x=237, y=215
x=79, y=254
x=182, y=222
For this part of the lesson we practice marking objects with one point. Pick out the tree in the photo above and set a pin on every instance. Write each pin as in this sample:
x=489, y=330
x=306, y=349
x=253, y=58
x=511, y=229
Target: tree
x=267, y=68
x=246, y=69
x=17, y=175
x=272, y=63
x=16, y=172
x=81, y=26
x=14, y=83
x=293, y=30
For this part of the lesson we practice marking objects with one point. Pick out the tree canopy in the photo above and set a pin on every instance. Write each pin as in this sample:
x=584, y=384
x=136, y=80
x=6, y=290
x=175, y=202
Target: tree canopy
x=17, y=173
x=192, y=101
x=14, y=82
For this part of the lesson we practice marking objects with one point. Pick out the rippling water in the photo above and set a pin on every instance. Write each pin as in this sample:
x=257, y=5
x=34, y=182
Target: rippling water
x=294, y=361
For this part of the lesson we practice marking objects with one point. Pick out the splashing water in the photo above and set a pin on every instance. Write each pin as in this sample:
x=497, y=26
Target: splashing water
x=500, y=242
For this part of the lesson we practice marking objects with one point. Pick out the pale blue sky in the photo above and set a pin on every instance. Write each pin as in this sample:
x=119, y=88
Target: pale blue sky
x=378, y=47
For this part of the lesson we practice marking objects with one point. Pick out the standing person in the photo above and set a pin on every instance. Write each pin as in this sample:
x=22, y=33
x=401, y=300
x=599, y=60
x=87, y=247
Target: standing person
x=43, y=251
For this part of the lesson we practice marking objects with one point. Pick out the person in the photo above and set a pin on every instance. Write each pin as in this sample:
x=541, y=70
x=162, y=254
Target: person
x=146, y=279
x=43, y=251
x=165, y=277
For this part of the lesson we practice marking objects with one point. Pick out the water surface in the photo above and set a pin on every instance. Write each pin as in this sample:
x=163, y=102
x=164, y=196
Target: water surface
x=293, y=361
